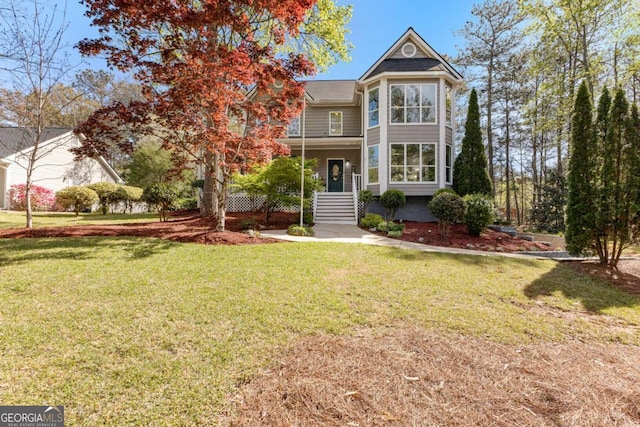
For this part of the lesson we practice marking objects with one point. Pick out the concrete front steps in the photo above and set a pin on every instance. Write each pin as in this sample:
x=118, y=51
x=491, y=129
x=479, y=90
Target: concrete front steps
x=335, y=208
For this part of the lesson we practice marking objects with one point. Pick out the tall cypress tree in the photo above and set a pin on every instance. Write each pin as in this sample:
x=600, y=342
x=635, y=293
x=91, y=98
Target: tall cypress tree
x=602, y=188
x=470, y=168
x=581, y=220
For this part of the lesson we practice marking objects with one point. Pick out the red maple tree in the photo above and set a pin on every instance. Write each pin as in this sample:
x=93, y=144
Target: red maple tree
x=208, y=69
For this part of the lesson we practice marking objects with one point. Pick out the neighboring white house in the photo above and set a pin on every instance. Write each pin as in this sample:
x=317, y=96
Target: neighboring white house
x=55, y=166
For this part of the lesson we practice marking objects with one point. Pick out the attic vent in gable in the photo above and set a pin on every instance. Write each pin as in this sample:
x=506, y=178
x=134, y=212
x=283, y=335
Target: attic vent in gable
x=408, y=50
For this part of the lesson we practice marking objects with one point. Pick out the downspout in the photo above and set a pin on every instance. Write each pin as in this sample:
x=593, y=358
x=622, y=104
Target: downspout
x=354, y=186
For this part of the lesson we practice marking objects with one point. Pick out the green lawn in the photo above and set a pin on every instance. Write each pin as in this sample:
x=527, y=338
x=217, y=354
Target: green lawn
x=58, y=219
x=149, y=332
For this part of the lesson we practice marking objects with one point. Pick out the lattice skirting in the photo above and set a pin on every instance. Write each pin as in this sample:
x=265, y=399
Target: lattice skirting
x=244, y=203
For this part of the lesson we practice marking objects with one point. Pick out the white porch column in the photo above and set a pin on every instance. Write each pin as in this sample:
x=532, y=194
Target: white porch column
x=442, y=118
x=383, y=155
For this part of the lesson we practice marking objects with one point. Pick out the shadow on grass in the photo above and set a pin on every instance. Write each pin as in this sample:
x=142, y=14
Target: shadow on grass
x=18, y=251
x=594, y=294
x=465, y=259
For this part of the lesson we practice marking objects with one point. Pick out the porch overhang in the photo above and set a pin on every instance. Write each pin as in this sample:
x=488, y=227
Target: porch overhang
x=352, y=143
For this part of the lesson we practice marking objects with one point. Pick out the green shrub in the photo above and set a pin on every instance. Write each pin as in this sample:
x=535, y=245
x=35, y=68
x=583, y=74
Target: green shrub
x=296, y=230
x=371, y=220
x=395, y=233
x=162, y=197
x=366, y=197
x=479, y=213
x=449, y=208
x=387, y=226
x=107, y=193
x=249, y=224
x=307, y=218
x=444, y=190
x=77, y=198
x=187, y=203
x=391, y=200
x=127, y=195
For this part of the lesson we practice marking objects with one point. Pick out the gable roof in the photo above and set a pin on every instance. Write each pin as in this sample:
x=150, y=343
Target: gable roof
x=331, y=91
x=387, y=64
x=15, y=139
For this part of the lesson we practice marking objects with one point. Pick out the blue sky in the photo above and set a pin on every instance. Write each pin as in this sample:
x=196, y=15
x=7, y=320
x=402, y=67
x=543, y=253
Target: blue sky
x=375, y=26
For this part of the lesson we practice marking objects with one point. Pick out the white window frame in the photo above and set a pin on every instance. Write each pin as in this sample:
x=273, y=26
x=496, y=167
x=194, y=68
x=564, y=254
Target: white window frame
x=376, y=110
x=448, y=112
x=448, y=163
x=370, y=167
x=420, y=165
x=331, y=113
x=294, y=119
x=420, y=107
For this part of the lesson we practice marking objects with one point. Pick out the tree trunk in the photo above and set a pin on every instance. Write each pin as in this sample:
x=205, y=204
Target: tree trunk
x=208, y=190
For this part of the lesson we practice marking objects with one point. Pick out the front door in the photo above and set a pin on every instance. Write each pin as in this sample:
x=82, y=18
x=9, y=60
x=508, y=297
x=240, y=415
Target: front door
x=335, y=175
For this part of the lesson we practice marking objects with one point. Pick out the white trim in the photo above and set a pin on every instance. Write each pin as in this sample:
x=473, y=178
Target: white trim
x=420, y=165
x=409, y=45
x=344, y=163
x=403, y=75
x=415, y=37
x=383, y=159
x=331, y=113
x=366, y=108
x=368, y=167
x=435, y=106
x=299, y=125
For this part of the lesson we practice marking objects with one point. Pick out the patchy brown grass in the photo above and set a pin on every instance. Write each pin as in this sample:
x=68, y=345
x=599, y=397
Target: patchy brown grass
x=413, y=377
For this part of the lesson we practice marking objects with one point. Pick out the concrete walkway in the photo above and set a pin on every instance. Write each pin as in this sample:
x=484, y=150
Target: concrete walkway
x=353, y=234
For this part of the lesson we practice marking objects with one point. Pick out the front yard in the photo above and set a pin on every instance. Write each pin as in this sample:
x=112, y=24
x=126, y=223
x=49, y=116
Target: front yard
x=133, y=331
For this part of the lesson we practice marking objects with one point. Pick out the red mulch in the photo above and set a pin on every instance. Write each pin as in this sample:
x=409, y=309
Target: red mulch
x=488, y=240
x=181, y=227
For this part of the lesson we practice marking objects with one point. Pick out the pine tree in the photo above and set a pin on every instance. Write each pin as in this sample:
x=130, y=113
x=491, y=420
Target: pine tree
x=580, y=213
x=470, y=168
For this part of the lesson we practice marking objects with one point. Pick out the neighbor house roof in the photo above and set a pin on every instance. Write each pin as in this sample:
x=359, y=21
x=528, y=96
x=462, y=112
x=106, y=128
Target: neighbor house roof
x=15, y=139
x=331, y=91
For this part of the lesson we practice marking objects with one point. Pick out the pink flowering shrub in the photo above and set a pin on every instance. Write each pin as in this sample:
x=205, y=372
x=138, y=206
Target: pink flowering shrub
x=42, y=199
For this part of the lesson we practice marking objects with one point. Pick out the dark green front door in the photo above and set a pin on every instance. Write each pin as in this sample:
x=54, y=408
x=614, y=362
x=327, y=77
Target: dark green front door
x=335, y=175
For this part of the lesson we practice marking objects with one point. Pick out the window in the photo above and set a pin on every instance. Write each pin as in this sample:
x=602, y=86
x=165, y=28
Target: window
x=293, y=129
x=449, y=163
x=408, y=50
x=413, y=103
x=413, y=163
x=335, y=123
x=448, y=107
x=374, y=107
x=373, y=164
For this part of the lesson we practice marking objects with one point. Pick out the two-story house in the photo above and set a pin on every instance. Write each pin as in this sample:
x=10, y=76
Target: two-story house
x=393, y=128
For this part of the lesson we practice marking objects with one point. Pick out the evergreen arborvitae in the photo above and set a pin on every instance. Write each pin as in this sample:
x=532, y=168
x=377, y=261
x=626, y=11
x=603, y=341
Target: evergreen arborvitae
x=602, y=185
x=548, y=213
x=580, y=221
x=470, y=168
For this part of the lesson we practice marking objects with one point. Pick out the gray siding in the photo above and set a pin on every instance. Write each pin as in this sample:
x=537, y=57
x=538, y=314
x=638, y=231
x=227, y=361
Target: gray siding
x=317, y=121
x=373, y=136
x=415, y=189
x=448, y=135
x=398, y=53
x=323, y=155
x=413, y=133
x=374, y=188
